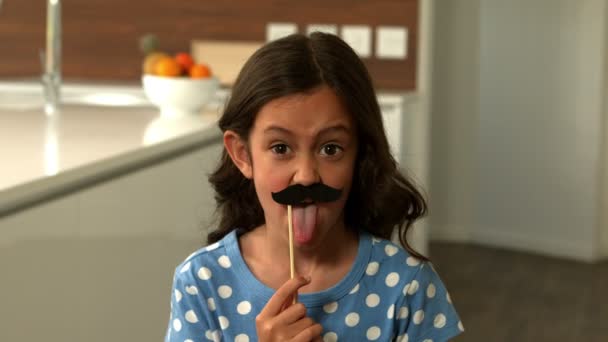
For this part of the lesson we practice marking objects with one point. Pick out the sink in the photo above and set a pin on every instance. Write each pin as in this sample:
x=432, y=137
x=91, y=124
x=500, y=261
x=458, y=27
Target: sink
x=28, y=95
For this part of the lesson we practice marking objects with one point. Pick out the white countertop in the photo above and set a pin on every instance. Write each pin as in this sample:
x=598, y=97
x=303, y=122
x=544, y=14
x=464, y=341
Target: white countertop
x=42, y=155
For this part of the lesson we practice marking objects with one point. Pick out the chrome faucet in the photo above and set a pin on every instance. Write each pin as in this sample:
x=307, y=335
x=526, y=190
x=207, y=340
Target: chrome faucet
x=51, y=78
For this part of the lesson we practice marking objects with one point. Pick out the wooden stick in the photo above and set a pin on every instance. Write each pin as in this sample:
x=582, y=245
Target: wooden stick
x=292, y=265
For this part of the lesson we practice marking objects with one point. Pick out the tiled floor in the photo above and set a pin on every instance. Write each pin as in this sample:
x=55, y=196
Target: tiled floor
x=511, y=296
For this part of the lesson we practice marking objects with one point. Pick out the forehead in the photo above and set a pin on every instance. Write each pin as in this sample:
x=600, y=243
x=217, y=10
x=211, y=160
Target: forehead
x=305, y=113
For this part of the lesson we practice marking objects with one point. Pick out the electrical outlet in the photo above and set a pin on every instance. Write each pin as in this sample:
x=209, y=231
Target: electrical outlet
x=359, y=37
x=391, y=42
x=275, y=31
x=326, y=28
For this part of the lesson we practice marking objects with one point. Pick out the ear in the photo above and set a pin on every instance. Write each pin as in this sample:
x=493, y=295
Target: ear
x=237, y=149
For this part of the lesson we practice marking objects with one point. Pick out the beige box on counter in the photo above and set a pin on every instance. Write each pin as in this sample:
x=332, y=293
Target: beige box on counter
x=224, y=57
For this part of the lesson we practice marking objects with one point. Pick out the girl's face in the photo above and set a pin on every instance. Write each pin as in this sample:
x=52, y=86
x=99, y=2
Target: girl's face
x=303, y=139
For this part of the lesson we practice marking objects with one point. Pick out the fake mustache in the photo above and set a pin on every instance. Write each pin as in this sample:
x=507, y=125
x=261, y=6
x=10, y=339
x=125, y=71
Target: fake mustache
x=300, y=194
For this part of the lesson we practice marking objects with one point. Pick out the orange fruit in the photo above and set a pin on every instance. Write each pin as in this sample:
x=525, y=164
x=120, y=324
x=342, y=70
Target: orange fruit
x=184, y=60
x=150, y=61
x=200, y=71
x=167, y=66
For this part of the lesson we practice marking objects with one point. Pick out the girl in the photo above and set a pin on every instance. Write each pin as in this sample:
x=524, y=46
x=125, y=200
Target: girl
x=303, y=114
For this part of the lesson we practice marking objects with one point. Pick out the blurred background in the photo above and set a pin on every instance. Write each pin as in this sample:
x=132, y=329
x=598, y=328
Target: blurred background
x=496, y=108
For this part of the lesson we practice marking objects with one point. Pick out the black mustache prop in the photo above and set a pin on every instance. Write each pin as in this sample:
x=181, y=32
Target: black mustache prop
x=298, y=194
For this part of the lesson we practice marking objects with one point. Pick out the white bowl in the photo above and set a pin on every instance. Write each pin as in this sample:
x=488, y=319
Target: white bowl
x=179, y=96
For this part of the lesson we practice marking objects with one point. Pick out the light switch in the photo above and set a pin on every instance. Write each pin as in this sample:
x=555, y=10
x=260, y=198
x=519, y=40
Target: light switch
x=391, y=42
x=275, y=31
x=359, y=37
x=326, y=28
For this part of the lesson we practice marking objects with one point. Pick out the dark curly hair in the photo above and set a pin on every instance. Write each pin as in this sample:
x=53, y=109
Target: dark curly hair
x=381, y=198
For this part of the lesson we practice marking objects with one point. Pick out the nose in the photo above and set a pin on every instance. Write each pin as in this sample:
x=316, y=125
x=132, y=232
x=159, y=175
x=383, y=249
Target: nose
x=307, y=171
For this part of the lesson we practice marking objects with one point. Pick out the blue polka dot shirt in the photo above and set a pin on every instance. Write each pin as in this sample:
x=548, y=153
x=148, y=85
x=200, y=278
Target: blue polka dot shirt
x=387, y=295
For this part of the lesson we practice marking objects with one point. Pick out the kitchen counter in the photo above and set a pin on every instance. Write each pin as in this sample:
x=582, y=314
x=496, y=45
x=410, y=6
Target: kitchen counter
x=92, y=139
x=44, y=157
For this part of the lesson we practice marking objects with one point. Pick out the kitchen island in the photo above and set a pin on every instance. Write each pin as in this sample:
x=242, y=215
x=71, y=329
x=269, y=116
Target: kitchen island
x=98, y=204
x=46, y=156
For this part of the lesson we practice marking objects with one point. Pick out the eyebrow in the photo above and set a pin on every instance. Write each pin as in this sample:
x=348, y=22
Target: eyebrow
x=337, y=128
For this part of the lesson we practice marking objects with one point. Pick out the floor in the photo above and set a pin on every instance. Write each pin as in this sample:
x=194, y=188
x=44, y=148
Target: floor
x=512, y=296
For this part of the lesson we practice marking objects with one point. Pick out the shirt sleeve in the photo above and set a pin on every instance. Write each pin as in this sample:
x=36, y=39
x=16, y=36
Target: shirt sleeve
x=190, y=318
x=426, y=312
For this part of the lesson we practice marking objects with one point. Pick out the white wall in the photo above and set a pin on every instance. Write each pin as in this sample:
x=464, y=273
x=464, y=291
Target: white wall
x=603, y=226
x=517, y=138
x=454, y=113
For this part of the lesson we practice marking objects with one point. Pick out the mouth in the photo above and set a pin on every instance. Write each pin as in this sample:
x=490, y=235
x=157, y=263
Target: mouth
x=304, y=219
x=304, y=203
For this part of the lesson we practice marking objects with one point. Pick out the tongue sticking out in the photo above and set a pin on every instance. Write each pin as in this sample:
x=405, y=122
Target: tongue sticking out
x=304, y=221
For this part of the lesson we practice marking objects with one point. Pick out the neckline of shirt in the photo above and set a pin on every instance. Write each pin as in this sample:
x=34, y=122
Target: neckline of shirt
x=263, y=293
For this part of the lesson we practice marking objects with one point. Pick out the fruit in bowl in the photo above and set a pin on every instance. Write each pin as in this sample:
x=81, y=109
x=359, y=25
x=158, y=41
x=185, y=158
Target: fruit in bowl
x=178, y=96
x=177, y=84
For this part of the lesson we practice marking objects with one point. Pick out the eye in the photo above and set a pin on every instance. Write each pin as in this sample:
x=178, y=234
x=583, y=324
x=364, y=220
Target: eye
x=331, y=149
x=279, y=148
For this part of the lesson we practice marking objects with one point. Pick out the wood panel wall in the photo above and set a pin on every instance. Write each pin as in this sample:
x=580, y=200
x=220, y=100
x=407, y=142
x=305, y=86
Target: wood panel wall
x=100, y=37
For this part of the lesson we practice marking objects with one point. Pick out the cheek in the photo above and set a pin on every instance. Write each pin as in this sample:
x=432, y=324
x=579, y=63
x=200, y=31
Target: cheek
x=268, y=180
x=339, y=176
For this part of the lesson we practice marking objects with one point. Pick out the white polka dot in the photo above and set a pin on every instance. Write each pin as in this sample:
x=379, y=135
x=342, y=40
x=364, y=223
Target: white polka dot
x=418, y=317
x=211, y=304
x=213, y=335
x=372, y=268
x=391, y=312
x=330, y=337
x=411, y=261
x=392, y=279
x=373, y=333
x=224, y=322
x=191, y=317
x=178, y=296
x=390, y=250
x=330, y=307
x=177, y=325
x=212, y=247
x=428, y=340
x=241, y=338
x=224, y=261
x=204, y=273
x=352, y=319
x=355, y=289
x=224, y=291
x=188, y=340
x=192, y=289
x=460, y=326
x=406, y=288
x=413, y=287
x=372, y=300
x=244, y=307
x=447, y=296
x=403, y=312
x=185, y=268
x=403, y=338
x=375, y=240
x=439, y=321
x=431, y=290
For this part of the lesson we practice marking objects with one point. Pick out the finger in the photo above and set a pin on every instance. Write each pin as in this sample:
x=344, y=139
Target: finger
x=309, y=334
x=274, y=305
x=292, y=314
x=301, y=324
